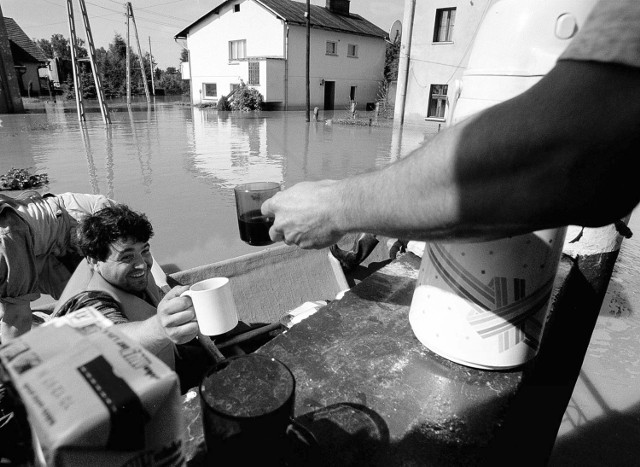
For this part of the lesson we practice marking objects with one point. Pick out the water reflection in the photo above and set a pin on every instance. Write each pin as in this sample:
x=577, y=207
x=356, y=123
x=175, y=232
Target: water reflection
x=178, y=164
x=144, y=157
x=91, y=166
x=109, y=161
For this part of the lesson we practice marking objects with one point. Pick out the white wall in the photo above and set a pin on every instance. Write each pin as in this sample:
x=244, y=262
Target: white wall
x=438, y=63
x=275, y=71
x=208, y=43
x=365, y=72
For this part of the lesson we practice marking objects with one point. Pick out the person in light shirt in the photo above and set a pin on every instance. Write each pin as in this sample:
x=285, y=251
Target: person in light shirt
x=37, y=251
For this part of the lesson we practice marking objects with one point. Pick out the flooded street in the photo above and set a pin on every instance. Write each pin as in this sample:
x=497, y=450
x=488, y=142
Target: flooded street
x=179, y=165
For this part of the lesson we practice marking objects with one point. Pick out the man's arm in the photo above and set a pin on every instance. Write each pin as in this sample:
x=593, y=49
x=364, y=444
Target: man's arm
x=175, y=321
x=561, y=153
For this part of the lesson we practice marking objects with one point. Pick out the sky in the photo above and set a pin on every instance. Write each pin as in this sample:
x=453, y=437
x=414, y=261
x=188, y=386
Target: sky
x=157, y=21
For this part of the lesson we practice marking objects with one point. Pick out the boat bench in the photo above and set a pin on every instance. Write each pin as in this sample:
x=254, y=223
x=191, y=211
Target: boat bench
x=270, y=282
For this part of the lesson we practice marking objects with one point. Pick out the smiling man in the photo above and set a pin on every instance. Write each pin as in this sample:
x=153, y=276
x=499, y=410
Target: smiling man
x=116, y=279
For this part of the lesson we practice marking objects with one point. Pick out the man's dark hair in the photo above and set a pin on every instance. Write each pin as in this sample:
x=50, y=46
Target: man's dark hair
x=98, y=231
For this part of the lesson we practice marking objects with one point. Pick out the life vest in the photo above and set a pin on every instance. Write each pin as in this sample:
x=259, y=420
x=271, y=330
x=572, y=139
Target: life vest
x=133, y=308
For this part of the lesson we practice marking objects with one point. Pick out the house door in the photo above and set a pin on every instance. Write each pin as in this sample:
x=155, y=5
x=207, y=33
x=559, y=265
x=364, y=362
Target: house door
x=329, y=94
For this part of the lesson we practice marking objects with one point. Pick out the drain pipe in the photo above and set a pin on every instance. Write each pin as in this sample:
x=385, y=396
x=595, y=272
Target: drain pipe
x=286, y=66
x=403, y=65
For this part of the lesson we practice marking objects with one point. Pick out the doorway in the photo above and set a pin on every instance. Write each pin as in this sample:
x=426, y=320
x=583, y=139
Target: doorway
x=329, y=94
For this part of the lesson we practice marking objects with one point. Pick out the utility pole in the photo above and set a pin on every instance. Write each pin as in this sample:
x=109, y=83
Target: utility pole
x=308, y=15
x=94, y=67
x=77, y=83
x=144, y=75
x=153, y=85
x=74, y=62
x=127, y=56
x=405, y=57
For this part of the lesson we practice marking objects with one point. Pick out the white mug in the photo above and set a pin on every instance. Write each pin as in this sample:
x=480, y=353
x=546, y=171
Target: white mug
x=214, y=305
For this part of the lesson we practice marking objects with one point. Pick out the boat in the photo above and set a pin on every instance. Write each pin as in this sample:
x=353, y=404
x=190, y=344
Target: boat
x=271, y=282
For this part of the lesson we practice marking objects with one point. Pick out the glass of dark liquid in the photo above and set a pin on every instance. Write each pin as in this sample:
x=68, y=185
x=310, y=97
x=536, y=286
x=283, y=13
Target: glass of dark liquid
x=253, y=226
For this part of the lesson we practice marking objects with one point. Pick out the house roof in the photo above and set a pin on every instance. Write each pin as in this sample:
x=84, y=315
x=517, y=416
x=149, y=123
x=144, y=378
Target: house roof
x=294, y=13
x=18, y=39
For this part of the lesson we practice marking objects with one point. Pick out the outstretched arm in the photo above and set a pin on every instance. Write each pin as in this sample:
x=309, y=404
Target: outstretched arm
x=560, y=153
x=175, y=322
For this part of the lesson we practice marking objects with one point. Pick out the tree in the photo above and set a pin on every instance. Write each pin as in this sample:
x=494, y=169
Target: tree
x=59, y=46
x=45, y=46
x=112, y=67
x=172, y=83
x=391, y=60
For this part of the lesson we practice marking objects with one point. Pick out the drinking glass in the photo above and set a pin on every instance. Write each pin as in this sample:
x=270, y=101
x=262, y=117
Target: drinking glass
x=253, y=225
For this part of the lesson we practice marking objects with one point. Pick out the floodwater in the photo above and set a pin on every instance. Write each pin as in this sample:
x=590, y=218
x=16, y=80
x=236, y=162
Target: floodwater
x=179, y=164
x=601, y=425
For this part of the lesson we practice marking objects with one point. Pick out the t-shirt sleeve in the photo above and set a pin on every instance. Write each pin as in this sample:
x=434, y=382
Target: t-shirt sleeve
x=78, y=205
x=101, y=301
x=610, y=34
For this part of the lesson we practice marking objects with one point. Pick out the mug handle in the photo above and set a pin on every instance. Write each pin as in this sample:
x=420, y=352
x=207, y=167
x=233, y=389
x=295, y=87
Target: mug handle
x=304, y=436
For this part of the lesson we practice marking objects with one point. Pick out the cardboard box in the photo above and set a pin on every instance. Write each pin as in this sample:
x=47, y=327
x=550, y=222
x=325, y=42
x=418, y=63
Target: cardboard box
x=93, y=396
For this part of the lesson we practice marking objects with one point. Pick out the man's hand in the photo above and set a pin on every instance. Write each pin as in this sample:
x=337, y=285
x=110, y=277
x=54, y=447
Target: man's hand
x=177, y=316
x=306, y=215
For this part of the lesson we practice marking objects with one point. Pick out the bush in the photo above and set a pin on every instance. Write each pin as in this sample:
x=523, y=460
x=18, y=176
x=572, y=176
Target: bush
x=223, y=104
x=20, y=179
x=246, y=99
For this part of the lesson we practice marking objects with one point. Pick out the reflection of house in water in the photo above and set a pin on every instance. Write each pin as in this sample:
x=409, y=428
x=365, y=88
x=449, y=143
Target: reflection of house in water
x=282, y=147
x=27, y=60
x=233, y=151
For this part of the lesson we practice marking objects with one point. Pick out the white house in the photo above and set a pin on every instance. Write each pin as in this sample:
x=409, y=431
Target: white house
x=263, y=44
x=466, y=56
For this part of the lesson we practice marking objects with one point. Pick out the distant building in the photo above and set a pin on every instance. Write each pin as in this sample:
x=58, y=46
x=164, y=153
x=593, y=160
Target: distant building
x=263, y=44
x=27, y=60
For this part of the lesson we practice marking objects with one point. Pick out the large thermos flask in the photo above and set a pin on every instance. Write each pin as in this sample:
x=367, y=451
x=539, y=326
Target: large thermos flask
x=484, y=304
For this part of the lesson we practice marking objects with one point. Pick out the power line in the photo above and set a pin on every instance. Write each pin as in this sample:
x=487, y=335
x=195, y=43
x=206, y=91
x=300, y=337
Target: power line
x=119, y=12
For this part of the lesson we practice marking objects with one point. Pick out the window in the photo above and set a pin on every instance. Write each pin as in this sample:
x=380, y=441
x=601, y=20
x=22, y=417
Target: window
x=332, y=48
x=254, y=73
x=443, y=30
x=210, y=90
x=237, y=49
x=352, y=50
x=234, y=86
x=236, y=8
x=437, y=101
x=352, y=93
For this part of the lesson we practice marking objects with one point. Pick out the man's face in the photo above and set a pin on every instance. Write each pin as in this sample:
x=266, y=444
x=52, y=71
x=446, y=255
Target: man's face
x=127, y=266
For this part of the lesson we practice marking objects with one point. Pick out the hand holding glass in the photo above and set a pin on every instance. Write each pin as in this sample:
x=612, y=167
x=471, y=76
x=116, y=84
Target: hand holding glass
x=254, y=227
